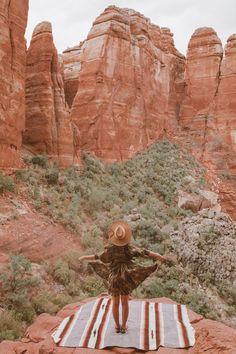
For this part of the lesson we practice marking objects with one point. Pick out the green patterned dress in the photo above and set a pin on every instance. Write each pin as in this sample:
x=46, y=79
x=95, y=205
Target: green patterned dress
x=117, y=268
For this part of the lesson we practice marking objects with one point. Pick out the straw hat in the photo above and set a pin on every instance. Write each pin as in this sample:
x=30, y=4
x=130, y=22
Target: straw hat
x=119, y=233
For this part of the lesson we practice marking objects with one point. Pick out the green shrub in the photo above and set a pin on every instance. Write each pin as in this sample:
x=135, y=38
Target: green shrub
x=92, y=240
x=10, y=327
x=22, y=175
x=61, y=300
x=52, y=175
x=62, y=272
x=17, y=287
x=43, y=302
x=40, y=160
x=72, y=259
x=6, y=184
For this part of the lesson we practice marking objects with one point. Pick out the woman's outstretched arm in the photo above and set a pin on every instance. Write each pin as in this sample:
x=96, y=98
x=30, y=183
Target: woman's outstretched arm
x=164, y=259
x=91, y=257
x=157, y=256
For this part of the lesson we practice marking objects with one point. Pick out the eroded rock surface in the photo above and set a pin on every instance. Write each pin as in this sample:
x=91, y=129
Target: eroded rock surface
x=48, y=127
x=13, y=19
x=127, y=84
x=72, y=58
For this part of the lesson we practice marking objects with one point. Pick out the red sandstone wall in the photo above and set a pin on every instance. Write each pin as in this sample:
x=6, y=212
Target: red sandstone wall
x=48, y=128
x=125, y=85
x=13, y=19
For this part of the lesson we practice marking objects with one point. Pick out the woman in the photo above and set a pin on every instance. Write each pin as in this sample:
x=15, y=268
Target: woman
x=119, y=271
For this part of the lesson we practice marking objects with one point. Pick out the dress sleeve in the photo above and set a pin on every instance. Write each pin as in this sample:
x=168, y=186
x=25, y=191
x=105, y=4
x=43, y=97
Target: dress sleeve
x=104, y=256
x=140, y=252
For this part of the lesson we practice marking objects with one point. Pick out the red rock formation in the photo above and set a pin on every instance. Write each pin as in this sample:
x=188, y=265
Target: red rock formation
x=13, y=19
x=224, y=142
x=211, y=336
x=48, y=127
x=208, y=111
x=125, y=85
x=201, y=84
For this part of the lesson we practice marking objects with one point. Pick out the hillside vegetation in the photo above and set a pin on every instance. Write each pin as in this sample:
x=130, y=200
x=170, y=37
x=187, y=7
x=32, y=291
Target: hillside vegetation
x=143, y=191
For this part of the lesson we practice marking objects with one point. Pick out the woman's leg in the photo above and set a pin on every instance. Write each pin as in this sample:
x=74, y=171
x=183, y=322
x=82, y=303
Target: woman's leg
x=125, y=309
x=115, y=309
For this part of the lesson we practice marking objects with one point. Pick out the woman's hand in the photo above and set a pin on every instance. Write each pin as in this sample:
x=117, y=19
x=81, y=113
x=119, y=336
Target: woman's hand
x=87, y=258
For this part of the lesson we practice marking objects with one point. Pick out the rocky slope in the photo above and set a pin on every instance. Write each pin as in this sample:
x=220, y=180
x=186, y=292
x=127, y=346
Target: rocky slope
x=48, y=129
x=211, y=336
x=13, y=18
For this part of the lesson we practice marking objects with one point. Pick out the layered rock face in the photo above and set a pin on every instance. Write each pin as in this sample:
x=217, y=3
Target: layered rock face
x=48, y=128
x=225, y=115
x=208, y=111
x=13, y=19
x=72, y=58
x=128, y=74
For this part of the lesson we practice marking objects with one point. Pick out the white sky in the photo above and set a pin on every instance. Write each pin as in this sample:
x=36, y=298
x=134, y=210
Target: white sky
x=72, y=19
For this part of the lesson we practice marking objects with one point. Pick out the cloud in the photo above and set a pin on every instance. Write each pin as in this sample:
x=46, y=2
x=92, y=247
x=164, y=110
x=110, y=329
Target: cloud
x=72, y=19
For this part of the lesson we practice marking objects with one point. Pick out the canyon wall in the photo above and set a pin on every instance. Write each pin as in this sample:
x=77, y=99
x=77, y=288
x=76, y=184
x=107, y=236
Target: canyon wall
x=13, y=19
x=48, y=129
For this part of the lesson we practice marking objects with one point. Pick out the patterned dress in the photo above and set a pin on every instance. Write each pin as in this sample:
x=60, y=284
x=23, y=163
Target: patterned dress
x=118, y=270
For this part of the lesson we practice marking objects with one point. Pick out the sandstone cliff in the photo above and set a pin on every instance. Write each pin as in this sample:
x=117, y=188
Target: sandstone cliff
x=13, y=18
x=208, y=111
x=128, y=73
x=48, y=128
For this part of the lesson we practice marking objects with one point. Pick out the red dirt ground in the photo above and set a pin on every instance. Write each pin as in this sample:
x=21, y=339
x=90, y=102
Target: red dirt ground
x=24, y=230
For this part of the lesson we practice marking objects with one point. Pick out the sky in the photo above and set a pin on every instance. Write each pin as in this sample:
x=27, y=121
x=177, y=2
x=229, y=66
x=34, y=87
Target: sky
x=72, y=19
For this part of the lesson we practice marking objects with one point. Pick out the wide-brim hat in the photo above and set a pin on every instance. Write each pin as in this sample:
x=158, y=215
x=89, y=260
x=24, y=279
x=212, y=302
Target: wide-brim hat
x=119, y=233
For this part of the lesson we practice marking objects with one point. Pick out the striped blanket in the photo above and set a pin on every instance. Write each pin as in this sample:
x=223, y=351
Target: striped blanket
x=150, y=325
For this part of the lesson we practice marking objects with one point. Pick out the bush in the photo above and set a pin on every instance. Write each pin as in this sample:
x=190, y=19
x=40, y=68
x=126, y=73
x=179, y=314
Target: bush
x=43, y=302
x=17, y=287
x=10, y=327
x=92, y=240
x=72, y=259
x=40, y=160
x=62, y=272
x=52, y=175
x=6, y=184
